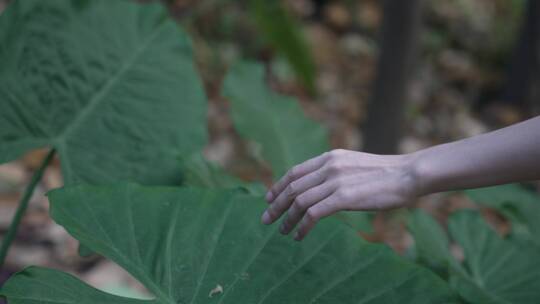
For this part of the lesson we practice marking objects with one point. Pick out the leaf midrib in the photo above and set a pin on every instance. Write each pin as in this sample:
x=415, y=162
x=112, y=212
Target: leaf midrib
x=99, y=96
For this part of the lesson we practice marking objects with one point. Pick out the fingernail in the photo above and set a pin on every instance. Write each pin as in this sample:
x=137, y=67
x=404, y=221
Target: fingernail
x=266, y=218
x=269, y=196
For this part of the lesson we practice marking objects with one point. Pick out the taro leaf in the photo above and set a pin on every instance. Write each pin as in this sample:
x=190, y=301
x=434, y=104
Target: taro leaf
x=274, y=121
x=110, y=85
x=199, y=172
x=184, y=243
x=519, y=205
x=282, y=32
x=431, y=242
x=500, y=271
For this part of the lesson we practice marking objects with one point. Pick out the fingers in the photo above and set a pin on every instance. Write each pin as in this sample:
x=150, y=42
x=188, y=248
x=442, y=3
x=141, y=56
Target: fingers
x=295, y=173
x=286, y=197
x=302, y=202
x=325, y=208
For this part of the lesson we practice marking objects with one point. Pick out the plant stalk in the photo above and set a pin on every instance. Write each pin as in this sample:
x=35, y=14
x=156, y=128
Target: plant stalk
x=23, y=205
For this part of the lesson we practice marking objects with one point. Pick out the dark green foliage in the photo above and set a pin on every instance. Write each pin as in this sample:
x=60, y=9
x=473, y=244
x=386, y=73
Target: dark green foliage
x=110, y=86
x=494, y=270
x=181, y=243
x=282, y=32
x=274, y=121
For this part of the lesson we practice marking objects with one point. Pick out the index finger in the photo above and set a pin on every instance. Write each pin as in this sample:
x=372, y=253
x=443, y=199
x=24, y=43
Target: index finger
x=295, y=173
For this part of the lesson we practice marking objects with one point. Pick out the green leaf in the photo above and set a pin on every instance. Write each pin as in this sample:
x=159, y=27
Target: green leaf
x=431, y=242
x=274, y=121
x=199, y=172
x=189, y=245
x=109, y=84
x=282, y=32
x=520, y=206
x=500, y=271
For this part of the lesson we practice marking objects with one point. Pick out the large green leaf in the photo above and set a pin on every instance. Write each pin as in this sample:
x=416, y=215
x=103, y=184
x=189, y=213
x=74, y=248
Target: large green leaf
x=199, y=172
x=274, y=121
x=283, y=33
x=189, y=245
x=495, y=270
x=519, y=205
x=109, y=84
x=431, y=242
x=277, y=123
x=500, y=270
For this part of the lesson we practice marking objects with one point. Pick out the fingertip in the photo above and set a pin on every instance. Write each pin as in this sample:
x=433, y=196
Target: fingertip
x=297, y=237
x=265, y=219
x=269, y=196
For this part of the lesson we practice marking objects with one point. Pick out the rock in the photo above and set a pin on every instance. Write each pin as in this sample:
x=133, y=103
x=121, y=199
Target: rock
x=106, y=274
x=301, y=8
x=337, y=16
x=357, y=45
x=13, y=177
x=324, y=45
x=369, y=15
x=458, y=66
x=467, y=126
x=411, y=144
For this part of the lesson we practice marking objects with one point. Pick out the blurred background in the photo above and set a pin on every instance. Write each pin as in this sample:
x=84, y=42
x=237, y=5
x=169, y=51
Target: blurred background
x=385, y=76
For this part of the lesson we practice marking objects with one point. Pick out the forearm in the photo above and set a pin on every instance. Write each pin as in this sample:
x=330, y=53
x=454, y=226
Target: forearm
x=507, y=155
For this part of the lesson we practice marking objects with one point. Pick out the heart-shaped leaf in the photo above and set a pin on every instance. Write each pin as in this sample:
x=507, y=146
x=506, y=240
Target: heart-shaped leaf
x=496, y=270
x=431, y=242
x=500, y=270
x=274, y=121
x=189, y=245
x=280, y=30
x=199, y=172
x=109, y=84
x=517, y=204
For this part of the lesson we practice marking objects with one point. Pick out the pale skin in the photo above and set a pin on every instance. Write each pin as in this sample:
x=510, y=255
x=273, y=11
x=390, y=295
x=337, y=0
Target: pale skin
x=349, y=180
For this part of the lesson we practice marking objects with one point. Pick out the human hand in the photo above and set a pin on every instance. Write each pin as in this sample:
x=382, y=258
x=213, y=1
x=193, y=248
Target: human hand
x=339, y=180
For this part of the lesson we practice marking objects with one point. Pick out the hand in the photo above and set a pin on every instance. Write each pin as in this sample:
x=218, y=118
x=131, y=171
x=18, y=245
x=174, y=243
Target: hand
x=339, y=180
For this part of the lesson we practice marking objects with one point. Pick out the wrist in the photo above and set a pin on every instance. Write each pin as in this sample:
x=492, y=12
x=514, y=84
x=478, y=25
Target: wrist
x=422, y=172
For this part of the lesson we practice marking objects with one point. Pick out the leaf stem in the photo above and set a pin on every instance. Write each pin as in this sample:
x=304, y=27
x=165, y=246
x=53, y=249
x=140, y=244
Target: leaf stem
x=23, y=205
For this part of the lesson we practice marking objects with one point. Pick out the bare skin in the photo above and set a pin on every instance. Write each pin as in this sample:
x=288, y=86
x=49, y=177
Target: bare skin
x=348, y=180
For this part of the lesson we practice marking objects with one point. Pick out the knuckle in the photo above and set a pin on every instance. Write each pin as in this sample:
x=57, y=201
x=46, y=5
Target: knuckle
x=291, y=189
x=311, y=215
x=333, y=167
x=336, y=152
x=271, y=212
x=294, y=172
x=343, y=195
x=299, y=203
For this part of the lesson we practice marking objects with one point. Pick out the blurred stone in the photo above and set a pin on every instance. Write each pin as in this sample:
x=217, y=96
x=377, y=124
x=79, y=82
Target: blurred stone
x=356, y=45
x=34, y=158
x=458, y=66
x=504, y=114
x=107, y=273
x=467, y=126
x=8, y=205
x=337, y=16
x=52, y=178
x=411, y=144
x=221, y=150
x=21, y=256
x=301, y=8
x=353, y=139
x=324, y=45
x=368, y=14
x=12, y=177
